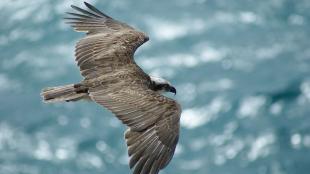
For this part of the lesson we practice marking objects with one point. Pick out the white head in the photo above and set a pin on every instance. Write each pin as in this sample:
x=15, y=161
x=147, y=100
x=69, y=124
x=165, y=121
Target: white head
x=161, y=85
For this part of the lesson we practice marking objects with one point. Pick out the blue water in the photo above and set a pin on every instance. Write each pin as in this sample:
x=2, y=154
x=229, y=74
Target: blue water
x=241, y=69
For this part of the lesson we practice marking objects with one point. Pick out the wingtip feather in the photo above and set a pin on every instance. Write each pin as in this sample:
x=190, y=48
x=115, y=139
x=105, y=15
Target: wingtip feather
x=94, y=9
x=86, y=3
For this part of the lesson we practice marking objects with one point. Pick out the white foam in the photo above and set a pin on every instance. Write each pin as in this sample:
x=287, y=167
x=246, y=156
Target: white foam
x=261, y=146
x=250, y=106
x=195, y=117
x=164, y=30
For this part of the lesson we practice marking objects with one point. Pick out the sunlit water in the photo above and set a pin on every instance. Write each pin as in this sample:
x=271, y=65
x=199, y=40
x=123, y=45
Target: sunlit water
x=241, y=69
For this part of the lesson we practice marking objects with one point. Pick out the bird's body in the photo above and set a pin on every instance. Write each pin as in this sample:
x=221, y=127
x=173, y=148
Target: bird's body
x=113, y=79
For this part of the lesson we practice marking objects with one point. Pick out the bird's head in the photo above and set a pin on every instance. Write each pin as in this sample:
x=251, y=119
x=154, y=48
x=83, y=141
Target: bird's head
x=161, y=85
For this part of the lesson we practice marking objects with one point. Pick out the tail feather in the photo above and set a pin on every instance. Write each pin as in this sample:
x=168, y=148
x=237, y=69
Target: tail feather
x=72, y=92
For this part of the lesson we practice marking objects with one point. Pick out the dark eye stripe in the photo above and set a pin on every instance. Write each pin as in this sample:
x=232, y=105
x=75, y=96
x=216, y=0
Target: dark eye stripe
x=159, y=87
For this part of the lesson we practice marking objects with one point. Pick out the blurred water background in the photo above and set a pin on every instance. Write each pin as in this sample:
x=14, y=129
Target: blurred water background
x=241, y=69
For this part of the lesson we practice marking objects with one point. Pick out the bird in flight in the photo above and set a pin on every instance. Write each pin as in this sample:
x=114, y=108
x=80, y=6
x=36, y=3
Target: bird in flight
x=112, y=79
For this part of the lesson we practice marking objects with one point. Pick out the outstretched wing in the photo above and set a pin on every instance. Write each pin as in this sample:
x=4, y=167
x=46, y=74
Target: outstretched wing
x=109, y=44
x=153, y=122
x=152, y=149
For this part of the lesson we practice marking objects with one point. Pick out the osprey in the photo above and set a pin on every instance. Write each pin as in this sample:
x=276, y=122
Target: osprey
x=112, y=79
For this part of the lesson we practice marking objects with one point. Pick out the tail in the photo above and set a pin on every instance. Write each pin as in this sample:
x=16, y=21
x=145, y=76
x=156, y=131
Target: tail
x=72, y=92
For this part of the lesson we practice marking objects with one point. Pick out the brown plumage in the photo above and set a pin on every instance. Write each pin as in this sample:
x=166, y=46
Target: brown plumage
x=112, y=79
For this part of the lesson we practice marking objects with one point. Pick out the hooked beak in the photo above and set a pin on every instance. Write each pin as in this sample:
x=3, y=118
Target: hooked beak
x=173, y=90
